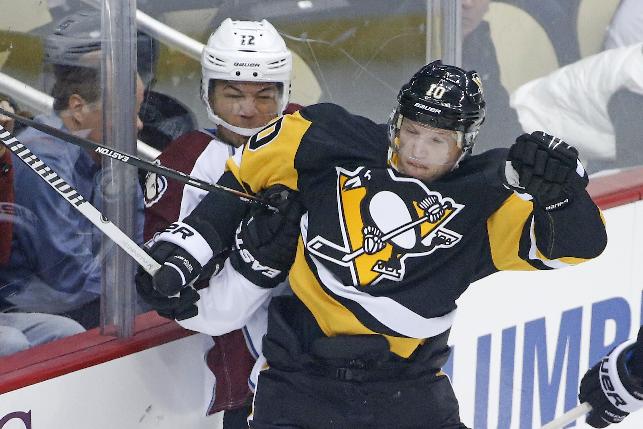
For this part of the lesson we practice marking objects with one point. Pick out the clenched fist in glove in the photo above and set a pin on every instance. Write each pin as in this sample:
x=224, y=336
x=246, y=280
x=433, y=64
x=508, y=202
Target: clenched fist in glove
x=182, y=252
x=266, y=241
x=614, y=386
x=178, y=307
x=546, y=168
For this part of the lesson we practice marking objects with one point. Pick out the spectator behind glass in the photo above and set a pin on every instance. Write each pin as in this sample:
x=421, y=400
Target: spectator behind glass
x=20, y=331
x=238, y=106
x=55, y=261
x=592, y=104
x=625, y=107
x=164, y=117
x=598, y=101
x=478, y=53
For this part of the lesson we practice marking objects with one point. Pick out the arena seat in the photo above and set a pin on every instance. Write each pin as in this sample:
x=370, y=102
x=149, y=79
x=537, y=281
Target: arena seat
x=523, y=48
x=593, y=18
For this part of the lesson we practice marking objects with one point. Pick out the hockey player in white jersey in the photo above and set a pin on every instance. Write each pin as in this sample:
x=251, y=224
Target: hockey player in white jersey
x=246, y=72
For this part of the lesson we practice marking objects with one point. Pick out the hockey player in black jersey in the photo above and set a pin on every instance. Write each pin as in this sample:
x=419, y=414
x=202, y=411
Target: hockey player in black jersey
x=399, y=221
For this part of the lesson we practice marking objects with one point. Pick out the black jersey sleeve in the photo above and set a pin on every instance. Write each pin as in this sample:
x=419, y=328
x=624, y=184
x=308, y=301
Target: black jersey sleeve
x=523, y=236
x=219, y=213
x=305, y=143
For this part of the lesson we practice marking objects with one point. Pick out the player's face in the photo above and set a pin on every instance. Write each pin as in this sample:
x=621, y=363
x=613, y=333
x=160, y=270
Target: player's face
x=93, y=119
x=426, y=153
x=245, y=105
x=88, y=116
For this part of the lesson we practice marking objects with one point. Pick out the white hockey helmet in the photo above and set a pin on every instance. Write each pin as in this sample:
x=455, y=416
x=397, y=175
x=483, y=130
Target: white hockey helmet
x=248, y=51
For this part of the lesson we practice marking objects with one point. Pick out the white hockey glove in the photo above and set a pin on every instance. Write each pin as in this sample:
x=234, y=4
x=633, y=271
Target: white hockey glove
x=614, y=386
x=182, y=252
x=546, y=168
x=432, y=208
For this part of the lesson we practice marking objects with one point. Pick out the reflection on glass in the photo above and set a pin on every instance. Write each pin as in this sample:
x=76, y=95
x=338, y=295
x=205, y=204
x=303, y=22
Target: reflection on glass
x=349, y=52
x=543, y=69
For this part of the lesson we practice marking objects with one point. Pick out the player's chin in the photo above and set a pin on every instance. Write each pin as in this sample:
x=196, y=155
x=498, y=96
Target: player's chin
x=421, y=172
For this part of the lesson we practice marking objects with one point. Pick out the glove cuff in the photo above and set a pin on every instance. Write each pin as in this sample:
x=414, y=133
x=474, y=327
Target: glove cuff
x=611, y=382
x=189, y=239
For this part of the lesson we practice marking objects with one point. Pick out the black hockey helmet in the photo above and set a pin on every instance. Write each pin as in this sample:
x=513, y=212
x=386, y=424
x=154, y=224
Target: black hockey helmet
x=440, y=96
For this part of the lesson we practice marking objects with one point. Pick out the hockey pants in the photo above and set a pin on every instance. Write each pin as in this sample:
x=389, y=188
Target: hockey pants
x=350, y=382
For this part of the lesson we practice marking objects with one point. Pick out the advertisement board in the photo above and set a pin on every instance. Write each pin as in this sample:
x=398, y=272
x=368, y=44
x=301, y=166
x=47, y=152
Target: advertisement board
x=521, y=343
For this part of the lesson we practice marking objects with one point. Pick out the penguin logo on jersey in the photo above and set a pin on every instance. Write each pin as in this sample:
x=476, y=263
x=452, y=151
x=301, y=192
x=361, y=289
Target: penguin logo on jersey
x=384, y=222
x=155, y=187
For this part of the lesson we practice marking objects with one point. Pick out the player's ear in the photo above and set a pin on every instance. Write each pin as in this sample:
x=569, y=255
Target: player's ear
x=75, y=107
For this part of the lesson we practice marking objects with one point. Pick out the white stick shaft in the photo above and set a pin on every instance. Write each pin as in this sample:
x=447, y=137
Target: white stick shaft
x=75, y=199
x=569, y=416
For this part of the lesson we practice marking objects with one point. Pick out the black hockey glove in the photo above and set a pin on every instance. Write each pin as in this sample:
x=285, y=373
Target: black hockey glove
x=266, y=241
x=179, y=307
x=182, y=252
x=614, y=386
x=546, y=168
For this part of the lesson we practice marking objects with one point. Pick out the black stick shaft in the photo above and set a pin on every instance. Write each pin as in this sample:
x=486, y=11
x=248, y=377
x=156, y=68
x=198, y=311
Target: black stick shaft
x=132, y=160
x=72, y=196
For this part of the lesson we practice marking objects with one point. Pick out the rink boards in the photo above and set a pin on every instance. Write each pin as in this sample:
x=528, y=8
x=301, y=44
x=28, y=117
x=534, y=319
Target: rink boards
x=521, y=342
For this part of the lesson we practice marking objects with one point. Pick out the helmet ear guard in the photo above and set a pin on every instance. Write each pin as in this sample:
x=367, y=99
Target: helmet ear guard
x=245, y=51
x=393, y=127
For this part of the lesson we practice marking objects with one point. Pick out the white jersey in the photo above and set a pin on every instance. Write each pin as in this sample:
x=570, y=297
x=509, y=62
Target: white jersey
x=208, y=167
x=230, y=301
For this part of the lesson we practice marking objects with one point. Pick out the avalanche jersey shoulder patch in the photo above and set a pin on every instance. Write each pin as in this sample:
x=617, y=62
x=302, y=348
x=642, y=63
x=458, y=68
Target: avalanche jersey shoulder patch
x=155, y=187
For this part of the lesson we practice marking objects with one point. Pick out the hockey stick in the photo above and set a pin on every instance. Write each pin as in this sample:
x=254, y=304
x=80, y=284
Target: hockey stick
x=568, y=417
x=133, y=160
x=391, y=234
x=323, y=247
x=81, y=204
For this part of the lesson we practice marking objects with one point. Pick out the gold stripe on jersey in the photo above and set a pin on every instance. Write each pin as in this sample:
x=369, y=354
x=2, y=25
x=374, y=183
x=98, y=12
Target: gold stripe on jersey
x=505, y=228
x=505, y=236
x=331, y=316
x=351, y=216
x=273, y=161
